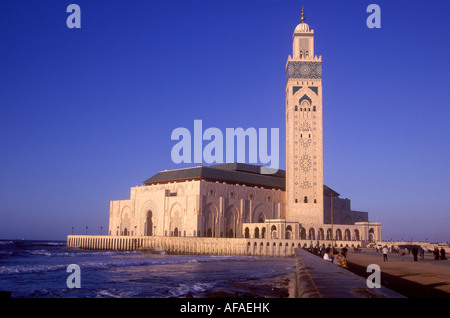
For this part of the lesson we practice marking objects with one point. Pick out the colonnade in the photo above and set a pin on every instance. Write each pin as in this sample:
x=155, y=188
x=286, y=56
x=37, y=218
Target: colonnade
x=197, y=245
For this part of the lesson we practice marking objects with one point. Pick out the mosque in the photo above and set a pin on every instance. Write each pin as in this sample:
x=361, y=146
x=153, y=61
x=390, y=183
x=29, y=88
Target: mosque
x=237, y=200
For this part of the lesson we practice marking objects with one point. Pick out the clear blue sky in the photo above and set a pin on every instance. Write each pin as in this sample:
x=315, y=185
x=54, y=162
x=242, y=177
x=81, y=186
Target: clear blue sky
x=88, y=113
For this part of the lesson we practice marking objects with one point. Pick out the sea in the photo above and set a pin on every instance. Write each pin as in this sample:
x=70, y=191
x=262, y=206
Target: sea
x=40, y=269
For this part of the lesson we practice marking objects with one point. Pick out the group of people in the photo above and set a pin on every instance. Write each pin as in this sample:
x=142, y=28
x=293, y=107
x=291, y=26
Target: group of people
x=335, y=258
x=415, y=250
x=439, y=255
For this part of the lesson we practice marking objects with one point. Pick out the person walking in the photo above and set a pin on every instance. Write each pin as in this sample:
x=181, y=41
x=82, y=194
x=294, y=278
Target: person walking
x=385, y=252
x=442, y=253
x=415, y=251
x=436, y=253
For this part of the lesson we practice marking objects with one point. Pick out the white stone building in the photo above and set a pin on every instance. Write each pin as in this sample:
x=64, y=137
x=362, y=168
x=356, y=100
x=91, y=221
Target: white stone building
x=238, y=201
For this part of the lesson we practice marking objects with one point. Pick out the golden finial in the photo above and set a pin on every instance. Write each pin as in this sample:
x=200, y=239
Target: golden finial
x=303, y=16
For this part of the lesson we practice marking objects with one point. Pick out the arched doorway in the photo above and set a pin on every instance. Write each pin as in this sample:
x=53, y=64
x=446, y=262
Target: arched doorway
x=273, y=232
x=175, y=232
x=320, y=234
x=261, y=218
x=338, y=235
x=209, y=220
x=148, y=229
x=329, y=234
x=231, y=221
x=371, y=235
x=288, y=234
x=257, y=232
x=312, y=234
x=303, y=234
x=347, y=235
x=356, y=235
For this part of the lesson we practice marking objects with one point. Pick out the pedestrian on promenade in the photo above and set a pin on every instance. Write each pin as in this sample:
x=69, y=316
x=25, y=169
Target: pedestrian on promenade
x=415, y=251
x=335, y=257
x=342, y=261
x=327, y=256
x=385, y=252
x=422, y=253
x=442, y=253
x=436, y=253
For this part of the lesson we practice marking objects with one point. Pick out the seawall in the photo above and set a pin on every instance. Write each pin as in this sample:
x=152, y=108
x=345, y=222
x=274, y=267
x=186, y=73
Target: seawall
x=317, y=278
x=196, y=245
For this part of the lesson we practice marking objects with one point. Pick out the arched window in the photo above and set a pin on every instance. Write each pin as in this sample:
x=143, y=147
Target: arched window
x=314, y=108
x=148, y=229
x=303, y=234
x=305, y=199
x=296, y=108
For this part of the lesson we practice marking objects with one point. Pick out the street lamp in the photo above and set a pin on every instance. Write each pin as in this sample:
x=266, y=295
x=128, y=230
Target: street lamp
x=72, y=230
x=86, y=230
x=101, y=230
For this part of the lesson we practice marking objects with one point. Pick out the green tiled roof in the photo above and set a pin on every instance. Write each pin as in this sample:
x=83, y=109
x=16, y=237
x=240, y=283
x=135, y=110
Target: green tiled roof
x=232, y=173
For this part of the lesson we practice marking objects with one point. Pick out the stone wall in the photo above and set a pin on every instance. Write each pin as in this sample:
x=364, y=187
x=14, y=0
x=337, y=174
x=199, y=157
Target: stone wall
x=317, y=278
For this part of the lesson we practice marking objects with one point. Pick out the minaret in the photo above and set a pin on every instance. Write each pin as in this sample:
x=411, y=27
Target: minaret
x=304, y=141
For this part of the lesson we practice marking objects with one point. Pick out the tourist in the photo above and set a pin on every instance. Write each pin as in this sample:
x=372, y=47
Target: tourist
x=415, y=251
x=442, y=253
x=342, y=261
x=385, y=252
x=436, y=253
x=422, y=253
x=327, y=256
x=335, y=257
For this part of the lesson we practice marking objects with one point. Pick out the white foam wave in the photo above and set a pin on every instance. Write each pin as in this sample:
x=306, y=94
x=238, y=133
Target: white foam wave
x=188, y=289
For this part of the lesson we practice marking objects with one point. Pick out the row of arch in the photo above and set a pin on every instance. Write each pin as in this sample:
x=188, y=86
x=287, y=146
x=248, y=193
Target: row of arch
x=305, y=109
x=310, y=234
x=173, y=245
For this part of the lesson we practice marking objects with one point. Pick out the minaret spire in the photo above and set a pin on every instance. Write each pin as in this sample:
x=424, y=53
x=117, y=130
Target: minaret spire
x=303, y=16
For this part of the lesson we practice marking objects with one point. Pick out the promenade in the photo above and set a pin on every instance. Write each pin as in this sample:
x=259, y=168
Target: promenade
x=422, y=279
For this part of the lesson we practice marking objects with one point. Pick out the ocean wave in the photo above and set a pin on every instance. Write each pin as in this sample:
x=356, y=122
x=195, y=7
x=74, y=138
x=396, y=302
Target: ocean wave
x=191, y=289
x=48, y=243
x=39, y=252
x=20, y=269
x=6, y=242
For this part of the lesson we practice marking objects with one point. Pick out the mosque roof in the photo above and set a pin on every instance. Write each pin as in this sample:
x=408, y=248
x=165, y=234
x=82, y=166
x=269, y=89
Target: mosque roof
x=232, y=173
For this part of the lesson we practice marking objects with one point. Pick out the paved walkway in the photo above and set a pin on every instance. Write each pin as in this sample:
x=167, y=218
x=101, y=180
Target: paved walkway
x=424, y=278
